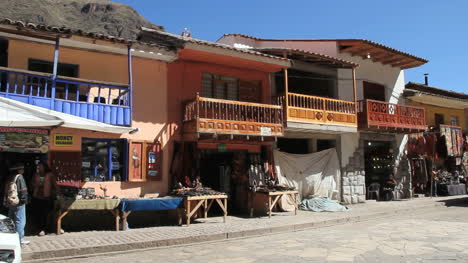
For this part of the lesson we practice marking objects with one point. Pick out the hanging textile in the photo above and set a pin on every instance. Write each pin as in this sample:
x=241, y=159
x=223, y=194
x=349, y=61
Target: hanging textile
x=453, y=139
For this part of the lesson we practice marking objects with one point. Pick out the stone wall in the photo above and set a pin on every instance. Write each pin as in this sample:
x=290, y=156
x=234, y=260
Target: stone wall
x=353, y=178
x=353, y=173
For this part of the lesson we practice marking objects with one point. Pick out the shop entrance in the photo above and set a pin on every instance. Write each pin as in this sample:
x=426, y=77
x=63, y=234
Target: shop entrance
x=8, y=160
x=378, y=163
x=29, y=160
x=228, y=171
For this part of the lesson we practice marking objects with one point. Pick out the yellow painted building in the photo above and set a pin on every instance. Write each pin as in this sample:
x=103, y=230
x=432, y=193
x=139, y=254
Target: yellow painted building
x=442, y=106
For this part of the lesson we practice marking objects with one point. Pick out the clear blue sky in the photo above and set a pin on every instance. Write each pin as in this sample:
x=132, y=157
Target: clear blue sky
x=432, y=29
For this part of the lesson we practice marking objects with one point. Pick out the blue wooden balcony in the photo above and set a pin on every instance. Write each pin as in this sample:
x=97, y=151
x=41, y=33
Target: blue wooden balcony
x=96, y=100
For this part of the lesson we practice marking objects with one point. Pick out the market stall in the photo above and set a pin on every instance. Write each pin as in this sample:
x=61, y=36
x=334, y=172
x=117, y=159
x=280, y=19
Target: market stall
x=64, y=206
x=201, y=198
x=436, y=159
x=150, y=204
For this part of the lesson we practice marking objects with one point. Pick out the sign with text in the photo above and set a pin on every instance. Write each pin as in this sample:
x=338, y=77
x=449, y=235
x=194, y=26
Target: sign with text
x=63, y=140
x=265, y=131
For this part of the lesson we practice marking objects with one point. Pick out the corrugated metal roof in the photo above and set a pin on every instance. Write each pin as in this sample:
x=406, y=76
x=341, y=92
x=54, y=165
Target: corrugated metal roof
x=338, y=40
x=419, y=87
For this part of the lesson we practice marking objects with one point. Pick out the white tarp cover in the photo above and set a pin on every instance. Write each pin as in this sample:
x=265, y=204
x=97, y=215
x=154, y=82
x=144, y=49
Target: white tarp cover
x=313, y=175
x=19, y=114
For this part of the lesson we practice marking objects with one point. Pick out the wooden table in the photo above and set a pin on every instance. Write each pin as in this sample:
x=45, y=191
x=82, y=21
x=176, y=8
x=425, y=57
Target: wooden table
x=205, y=201
x=153, y=204
x=65, y=206
x=276, y=195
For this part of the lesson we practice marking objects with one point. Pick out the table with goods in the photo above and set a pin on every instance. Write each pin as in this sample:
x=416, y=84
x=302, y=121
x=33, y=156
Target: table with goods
x=150, y=204
x=72, y=198
x=202, y=197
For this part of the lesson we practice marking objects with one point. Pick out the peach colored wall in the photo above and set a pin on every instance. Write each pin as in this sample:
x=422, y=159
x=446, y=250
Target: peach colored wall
x=92, y=65
x=322, y=47
x=149, y=99
x=185, y=79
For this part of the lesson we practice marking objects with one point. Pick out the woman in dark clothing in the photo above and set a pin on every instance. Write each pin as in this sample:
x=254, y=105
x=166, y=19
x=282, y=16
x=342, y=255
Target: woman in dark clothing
x=44, y=185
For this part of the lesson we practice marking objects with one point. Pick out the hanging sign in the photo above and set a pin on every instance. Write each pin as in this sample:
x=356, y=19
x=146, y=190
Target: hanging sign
x=63, y=140
x=265, y=131
x=24, y=140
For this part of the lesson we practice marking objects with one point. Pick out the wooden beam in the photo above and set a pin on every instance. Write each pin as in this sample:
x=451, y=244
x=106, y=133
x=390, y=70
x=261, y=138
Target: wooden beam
x=351, y=48
x=382, y=55
x=364, y=51
x=391, y=60
x=355, y=91
x=402, y=62
x=411, y=65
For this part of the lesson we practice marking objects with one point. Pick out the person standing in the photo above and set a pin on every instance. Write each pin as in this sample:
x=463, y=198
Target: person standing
x=16, y=198
x=43, y=184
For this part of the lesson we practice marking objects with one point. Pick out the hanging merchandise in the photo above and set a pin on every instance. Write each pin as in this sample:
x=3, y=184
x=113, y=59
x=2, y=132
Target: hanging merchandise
x=453, y=139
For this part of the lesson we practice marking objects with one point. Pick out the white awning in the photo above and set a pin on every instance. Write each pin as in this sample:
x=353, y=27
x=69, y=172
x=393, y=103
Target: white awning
x=18, y=114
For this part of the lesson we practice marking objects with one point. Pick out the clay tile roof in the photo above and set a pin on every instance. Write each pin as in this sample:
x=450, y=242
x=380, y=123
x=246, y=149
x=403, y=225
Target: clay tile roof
x=181, y=39
x=299, y=54
x=410, y=61
x=69, y=31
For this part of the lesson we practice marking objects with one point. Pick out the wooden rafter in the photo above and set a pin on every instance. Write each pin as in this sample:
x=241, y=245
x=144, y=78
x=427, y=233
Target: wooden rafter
x=391, y=60
x=350, y=48
x=383, y=55
x=401, y=62
x=410, y=65
x=364, y=51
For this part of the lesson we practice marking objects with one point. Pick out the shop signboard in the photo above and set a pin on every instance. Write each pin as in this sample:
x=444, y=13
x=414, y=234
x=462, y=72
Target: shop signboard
x=265, y=131
x=62, y=140
x=24, y=140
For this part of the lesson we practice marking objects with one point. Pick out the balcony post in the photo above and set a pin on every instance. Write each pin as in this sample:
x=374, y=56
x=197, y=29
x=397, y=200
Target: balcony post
x=354, y=88
x=286, y=90
x=54, y=73
x=355, y=92
x=130, y=82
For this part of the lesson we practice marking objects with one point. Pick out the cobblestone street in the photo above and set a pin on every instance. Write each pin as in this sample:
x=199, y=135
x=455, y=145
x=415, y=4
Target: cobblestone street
x=432, y=235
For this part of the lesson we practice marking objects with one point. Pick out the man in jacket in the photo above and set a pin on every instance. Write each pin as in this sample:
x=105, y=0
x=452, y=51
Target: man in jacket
x=18, y=212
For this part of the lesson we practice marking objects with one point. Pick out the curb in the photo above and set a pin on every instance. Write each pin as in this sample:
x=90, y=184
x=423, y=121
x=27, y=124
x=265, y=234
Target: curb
x=46, y=256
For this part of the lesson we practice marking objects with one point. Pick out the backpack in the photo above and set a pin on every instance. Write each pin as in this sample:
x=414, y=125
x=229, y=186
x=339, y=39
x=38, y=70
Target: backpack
x=11, y=193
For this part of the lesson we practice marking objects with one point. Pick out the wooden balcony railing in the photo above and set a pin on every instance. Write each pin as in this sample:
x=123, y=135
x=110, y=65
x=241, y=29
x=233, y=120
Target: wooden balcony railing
x=96, y=100
x=207, y=115
x=313, y=109
x=384, y=116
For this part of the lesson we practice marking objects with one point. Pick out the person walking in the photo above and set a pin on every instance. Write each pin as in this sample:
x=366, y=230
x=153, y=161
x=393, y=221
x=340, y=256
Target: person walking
x=16, y=198
x=43, y=185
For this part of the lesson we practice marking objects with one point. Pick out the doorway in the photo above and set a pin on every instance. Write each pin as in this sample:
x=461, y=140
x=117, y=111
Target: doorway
x=373, y=91
x=228, y=171
x=378, y=156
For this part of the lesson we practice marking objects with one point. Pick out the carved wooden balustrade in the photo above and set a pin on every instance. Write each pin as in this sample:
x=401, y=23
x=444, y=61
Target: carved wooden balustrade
x=207, y=115
x=313, y=109
x=379, y=115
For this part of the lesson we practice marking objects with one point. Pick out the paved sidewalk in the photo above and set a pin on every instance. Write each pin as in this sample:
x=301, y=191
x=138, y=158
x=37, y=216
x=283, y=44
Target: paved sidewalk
x=92, y=242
